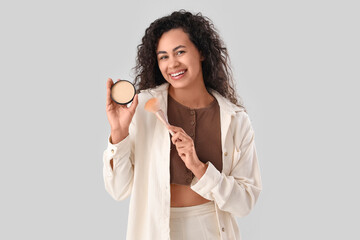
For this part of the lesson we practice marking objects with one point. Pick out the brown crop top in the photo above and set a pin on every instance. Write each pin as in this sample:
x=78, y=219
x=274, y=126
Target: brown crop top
x=203, y=126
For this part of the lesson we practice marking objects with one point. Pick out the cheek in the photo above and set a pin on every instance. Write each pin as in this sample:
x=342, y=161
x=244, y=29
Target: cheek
x=196, y=65
x=162, y=68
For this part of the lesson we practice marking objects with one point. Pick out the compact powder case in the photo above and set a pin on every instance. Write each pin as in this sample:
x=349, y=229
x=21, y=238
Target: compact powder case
x=122, y=92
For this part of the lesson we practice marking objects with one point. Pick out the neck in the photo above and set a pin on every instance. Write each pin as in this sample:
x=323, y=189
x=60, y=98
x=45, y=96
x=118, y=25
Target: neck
x=192, y=97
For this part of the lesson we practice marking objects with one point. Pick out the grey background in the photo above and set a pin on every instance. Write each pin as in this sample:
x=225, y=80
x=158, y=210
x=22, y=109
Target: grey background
x=296, y=64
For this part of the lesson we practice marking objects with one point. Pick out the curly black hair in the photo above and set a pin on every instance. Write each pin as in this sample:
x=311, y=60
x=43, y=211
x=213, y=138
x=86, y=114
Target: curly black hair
x=216, y=69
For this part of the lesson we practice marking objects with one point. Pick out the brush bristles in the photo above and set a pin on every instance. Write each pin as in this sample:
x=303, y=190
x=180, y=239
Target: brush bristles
x=152, y=105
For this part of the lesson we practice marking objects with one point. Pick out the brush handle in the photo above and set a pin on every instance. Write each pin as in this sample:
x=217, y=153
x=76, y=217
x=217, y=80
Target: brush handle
x=161, y=116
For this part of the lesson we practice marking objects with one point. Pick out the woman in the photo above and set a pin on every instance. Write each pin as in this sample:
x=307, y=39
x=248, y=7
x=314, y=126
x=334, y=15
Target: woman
x=190, y=185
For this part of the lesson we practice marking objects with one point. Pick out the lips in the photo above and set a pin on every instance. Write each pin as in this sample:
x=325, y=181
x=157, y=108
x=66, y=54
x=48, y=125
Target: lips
x=178, y=74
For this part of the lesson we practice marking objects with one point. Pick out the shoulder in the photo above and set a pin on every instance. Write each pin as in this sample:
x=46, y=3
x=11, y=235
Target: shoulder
x=226, y=105
x=242, y=120
x=146, y=94
x=158, y=89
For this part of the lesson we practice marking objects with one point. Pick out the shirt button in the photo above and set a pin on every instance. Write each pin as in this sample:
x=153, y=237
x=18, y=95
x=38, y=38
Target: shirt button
x=192, y=112
x=112, y=150
x=225, y=154
x=192, y=122
x=223, y=229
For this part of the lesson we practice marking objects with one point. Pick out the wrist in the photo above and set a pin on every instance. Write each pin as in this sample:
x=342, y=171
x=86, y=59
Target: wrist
x=117, y=136
x=199, y=169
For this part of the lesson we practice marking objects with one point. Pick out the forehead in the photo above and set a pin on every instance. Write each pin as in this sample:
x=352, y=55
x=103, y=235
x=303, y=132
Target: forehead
x=173, y=38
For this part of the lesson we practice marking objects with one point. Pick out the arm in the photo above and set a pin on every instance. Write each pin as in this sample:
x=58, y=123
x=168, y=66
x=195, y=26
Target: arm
x=118, y=168
x=237, y=192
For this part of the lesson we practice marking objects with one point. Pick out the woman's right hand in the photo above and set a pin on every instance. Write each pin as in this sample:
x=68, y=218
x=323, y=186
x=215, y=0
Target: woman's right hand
x=119, y=116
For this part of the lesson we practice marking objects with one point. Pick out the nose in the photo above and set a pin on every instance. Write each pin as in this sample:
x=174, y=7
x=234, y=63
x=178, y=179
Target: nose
x=173, y=63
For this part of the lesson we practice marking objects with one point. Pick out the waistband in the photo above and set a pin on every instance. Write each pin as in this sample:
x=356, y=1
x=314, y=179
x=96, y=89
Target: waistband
x=179, y=212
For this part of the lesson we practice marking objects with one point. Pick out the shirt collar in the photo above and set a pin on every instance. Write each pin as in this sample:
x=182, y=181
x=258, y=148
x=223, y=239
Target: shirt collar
x=224, y=103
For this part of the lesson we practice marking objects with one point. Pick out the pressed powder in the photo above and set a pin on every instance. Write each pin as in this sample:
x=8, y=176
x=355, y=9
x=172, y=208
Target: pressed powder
x=122, y=92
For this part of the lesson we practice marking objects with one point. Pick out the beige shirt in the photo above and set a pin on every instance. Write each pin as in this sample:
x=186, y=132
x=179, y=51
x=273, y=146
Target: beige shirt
x=203, y=126
x=142, y=162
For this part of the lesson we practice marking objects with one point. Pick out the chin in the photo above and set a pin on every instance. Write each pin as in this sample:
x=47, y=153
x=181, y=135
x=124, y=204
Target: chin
x=178, y=85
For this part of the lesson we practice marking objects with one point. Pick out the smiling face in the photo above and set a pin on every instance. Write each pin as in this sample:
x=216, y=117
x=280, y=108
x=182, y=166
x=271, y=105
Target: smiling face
x=179, y=60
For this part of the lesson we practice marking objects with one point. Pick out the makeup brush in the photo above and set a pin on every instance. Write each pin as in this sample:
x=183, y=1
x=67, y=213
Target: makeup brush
x=152, y=105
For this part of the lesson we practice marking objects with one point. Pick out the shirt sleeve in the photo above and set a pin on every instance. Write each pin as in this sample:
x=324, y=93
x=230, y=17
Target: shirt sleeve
x=119, y=179
x=237, y=192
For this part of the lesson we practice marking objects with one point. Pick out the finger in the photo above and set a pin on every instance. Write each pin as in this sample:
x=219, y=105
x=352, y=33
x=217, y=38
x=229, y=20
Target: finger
x=181, y=152
x=181, y=136
x=185, y=150
x=175, y=129
x=181, y=144
x=109, y=83
x=184, y=137
x=176, y=137
x=134, y=104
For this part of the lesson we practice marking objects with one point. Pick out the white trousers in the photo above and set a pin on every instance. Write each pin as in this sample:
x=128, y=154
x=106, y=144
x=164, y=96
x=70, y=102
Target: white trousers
x=196, y=222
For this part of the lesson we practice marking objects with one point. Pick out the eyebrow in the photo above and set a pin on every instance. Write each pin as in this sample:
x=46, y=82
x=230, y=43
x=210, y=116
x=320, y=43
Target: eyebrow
x=180, y=46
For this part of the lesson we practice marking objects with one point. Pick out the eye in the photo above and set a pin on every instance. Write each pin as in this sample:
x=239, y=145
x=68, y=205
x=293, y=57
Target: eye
x=180, y=52
x=163, y=57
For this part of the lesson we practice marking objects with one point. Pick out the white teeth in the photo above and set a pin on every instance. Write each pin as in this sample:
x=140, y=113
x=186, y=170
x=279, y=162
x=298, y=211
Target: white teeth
x=177, y=74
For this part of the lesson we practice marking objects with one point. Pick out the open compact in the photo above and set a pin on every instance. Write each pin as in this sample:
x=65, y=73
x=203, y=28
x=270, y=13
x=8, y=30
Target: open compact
x=122, y=92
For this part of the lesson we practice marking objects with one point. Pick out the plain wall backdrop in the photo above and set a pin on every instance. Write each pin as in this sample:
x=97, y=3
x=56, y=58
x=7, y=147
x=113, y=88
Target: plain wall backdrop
x=296, y=65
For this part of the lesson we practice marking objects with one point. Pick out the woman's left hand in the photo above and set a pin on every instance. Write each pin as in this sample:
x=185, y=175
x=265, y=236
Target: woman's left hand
x=185, y=147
